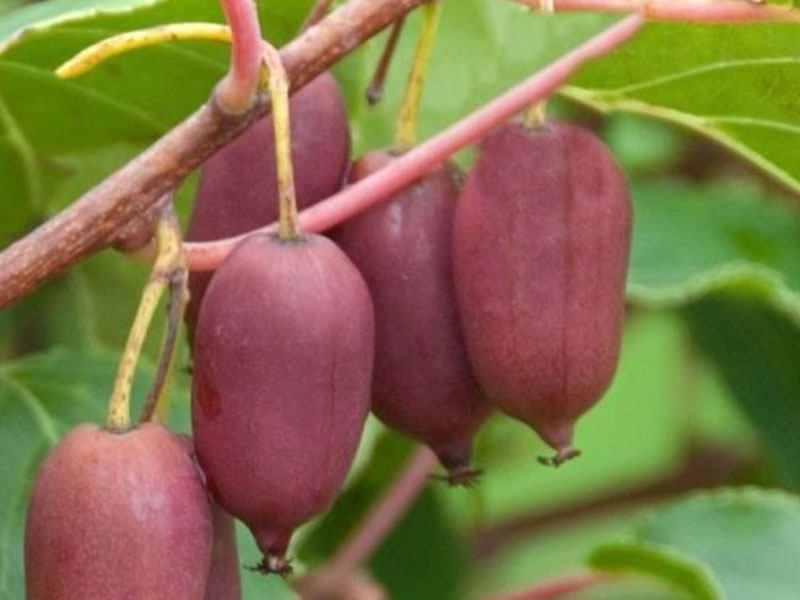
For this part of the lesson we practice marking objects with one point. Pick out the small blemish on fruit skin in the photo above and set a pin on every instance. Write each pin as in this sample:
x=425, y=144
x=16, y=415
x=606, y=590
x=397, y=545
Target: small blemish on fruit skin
x=207, y=397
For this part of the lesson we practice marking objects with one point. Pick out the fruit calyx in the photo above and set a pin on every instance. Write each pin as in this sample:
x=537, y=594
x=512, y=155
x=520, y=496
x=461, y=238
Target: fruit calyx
x=562, y=455
x=274, y=564
x=461, y=476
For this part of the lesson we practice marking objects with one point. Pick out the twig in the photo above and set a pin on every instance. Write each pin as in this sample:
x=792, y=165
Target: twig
x=408, y=167
x=385, y=513
x=87, y=225
x=318, y=11
x=155, y=406
x=558, y=587
x=170, y=257
x=376, y=85
x=706, y=11
x=94, y=55
x=406, y=132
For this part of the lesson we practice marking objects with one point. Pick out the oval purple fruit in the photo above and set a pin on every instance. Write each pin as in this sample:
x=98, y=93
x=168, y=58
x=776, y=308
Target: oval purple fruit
x=541, y=245
x=118, y=516
x=283, y=361
x=238, y=186
x=423, y=385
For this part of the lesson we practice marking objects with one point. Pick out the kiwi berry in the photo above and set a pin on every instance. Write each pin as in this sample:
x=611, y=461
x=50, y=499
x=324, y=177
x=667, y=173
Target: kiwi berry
x=118, y=516
x=423, y=385
x=541, y=244
x=282, y=366
x=238, y=186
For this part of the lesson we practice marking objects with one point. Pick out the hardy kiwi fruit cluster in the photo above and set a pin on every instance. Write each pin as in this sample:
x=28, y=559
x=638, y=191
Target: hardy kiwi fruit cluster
x=458, y=295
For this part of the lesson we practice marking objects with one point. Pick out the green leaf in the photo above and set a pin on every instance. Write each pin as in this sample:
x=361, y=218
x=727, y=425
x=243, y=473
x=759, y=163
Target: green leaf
x=58, y=138
x=755, y=347
x=690, y=241
x=642, y=145
x=735, y=544
x=682, y=571
x=735, y=84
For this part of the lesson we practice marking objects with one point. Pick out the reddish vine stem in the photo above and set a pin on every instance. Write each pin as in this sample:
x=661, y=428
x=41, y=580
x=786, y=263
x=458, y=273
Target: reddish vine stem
x=558, y=587
x=706, y=11
x=238, y=89
x=385, y=513
x=410, y=166
x=87, y=225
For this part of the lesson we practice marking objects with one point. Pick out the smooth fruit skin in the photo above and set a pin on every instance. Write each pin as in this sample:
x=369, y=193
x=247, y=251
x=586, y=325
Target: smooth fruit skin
x=541, y=244
x=282, y=367
x=238, y=187
x=423, y=384
x=224, y=581
x=118, y=516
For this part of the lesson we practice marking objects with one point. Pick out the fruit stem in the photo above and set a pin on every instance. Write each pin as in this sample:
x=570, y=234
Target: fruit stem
x=274, y=79
x=548, y=7
x=238, y=89
x=535, y=116
x=169, y=243
x=377, y=83
x=406, y=135
x=156, y=406
x=91, y=57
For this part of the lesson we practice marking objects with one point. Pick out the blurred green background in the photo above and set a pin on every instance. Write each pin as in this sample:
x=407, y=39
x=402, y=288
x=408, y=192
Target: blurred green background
x=704, y=121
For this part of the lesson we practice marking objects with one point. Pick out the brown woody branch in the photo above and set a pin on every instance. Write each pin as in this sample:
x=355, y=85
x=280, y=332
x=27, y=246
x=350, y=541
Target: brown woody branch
x=87, y=225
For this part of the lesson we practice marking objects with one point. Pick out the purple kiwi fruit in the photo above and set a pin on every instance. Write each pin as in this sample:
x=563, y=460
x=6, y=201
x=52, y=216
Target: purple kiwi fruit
x=118, y=516
x=224, y=581
x=238, y=186
x=423, y=385
x=541, y=244
x=282, y=367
